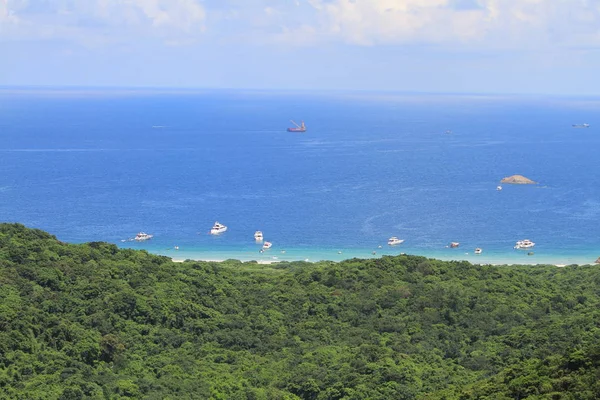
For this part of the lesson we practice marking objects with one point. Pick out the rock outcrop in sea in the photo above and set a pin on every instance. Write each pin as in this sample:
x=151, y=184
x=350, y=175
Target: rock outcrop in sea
x=518, y=180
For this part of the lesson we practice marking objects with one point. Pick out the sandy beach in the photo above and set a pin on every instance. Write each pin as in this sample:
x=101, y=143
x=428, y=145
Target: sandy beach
x=558, y=261
x=266, y=262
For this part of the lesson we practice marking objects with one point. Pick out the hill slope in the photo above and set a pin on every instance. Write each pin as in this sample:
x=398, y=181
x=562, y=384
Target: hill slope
x=93, y=321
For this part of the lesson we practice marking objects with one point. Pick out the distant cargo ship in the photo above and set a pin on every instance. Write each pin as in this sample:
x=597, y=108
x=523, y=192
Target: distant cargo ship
x=581, y=125
x=298, y=128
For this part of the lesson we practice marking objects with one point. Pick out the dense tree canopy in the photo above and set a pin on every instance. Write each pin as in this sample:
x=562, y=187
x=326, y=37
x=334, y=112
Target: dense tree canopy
x=94, y=322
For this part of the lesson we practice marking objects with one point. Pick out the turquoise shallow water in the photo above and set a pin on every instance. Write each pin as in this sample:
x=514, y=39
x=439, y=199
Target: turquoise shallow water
x=105, y=165
x=318, y=254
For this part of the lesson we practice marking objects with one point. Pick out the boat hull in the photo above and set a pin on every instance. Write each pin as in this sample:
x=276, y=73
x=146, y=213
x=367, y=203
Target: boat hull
x=524, y=244
x=394, y=243
x=141, y=237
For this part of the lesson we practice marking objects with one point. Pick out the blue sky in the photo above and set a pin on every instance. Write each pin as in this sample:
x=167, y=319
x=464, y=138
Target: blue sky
x=502, y=46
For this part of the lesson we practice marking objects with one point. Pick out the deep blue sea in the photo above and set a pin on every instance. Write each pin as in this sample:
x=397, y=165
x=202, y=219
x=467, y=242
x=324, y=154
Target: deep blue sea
x=104, y=165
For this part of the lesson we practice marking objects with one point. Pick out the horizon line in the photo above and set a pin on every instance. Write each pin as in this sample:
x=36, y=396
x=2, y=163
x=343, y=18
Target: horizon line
x=195, y=89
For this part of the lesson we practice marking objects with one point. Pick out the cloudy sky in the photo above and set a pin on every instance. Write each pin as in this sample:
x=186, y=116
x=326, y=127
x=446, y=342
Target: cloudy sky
x=502, y=46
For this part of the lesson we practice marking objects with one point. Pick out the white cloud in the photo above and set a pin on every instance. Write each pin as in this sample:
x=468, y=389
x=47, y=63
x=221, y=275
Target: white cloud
x=479, y=24
x=497, y=23
x=178, y=14
x=7, y=15
x=102, y=20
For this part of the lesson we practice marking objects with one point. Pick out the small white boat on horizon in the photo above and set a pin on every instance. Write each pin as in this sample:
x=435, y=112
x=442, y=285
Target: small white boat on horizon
x=258, y=236
x=394, y=241
x=267, y=245
x=218, y=228
x=524, y=244
x=140, y=237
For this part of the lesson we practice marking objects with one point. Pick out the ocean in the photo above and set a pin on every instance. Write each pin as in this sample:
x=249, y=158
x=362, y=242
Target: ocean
x=102, y=165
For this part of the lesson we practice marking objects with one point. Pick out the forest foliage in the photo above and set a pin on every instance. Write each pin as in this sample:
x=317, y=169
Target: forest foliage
x=92, y=321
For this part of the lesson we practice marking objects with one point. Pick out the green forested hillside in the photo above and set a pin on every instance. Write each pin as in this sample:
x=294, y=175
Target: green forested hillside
x=92, y=321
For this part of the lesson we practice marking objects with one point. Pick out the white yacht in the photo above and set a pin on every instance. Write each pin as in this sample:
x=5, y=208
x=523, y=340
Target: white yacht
x=478, y=250
x=267, y=245
x=218, y=228
x=394, y=241
x=498, y=187
x=140, y=237
x=524, y=244
x=454, y=245
x=258, y=236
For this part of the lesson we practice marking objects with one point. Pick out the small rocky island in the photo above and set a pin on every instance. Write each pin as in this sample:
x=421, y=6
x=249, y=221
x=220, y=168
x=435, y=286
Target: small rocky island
x=518, y=180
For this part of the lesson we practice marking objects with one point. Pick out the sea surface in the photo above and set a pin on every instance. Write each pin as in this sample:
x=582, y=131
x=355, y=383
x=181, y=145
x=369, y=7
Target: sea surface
x=102, y=165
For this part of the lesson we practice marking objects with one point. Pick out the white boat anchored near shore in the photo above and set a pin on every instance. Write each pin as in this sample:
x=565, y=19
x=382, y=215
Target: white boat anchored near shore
x=267, y=245
x=258, y=236
x=142, y=236
x=218, y=228
x=394, y=241
x=524, y=244
x=478, y=250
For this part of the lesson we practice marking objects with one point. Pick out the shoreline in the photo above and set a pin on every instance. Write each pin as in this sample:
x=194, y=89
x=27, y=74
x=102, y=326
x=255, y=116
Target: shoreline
x=266, y=262
x=294, y=255
x=492, y=254
x=261, y=262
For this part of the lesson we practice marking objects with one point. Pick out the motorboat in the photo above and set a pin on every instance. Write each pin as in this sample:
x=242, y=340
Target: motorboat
x=267, y=245
x=498, y=187
x=258, y=236
x=454, y=244
x=218, y=228
x=478, y=250
x=524, y=244
x=394, y=241
x=140, y=237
